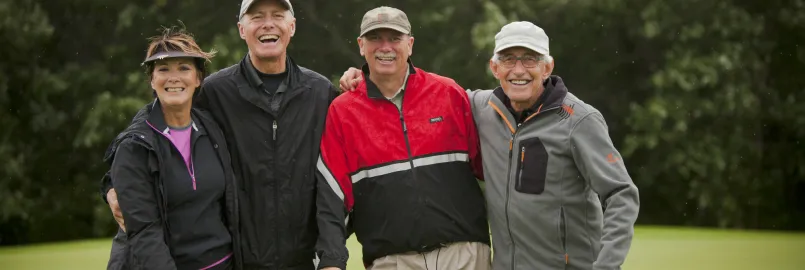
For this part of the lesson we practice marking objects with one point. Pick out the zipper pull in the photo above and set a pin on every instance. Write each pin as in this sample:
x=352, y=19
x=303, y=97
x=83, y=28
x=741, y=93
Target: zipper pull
x=403, y=122
x=522, y=165
x=194, y=181
x=275, y=130
x=522, y=155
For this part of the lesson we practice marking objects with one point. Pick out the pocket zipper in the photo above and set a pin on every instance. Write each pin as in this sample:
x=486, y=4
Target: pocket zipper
x=563, y=233
x=520, y=170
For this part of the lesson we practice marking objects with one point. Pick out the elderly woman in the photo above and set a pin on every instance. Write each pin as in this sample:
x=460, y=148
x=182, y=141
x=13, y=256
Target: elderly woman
x=171, y=171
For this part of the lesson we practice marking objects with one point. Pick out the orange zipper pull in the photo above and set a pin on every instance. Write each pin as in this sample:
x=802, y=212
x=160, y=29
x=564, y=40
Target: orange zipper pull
x=567, y=259
x=522, y=154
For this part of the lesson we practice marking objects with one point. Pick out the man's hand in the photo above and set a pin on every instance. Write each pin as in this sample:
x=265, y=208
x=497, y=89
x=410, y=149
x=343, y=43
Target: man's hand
x=111, y=197
x=350, y=80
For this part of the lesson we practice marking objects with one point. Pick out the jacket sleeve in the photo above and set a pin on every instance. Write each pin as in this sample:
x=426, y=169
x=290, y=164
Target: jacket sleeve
x=106, y=185
x=601, y=164
x=118, y=254
x=106, y=180
x=473, y=141
x=138, y=202
x=334, y=198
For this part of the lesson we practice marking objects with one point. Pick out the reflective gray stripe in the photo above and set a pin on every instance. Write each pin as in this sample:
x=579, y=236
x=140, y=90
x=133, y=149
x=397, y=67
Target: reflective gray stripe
x=418, y=162
x=441, y=159
x=330, y=179
x=396, y=167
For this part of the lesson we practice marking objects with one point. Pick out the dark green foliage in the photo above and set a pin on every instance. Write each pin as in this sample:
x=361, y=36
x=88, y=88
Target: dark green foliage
x=704, y=98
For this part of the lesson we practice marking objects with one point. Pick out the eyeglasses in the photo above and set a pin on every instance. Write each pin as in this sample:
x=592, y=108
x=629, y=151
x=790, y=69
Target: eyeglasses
x=529, y=61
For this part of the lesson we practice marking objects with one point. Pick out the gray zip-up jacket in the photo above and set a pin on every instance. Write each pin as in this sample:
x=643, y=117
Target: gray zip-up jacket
x=546, y=181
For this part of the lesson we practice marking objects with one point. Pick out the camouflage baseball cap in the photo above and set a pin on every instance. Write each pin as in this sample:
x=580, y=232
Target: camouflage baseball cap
x=385, y=17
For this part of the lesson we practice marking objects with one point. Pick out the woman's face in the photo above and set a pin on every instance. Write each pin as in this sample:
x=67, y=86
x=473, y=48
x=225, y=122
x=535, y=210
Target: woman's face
x=175, y=80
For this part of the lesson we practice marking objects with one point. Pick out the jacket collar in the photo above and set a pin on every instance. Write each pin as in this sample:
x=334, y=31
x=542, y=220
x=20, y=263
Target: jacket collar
x=253, y=77
x=249, y=85
x=156, y=120
x=148, y=120
x=371, y=88
x=552, y=98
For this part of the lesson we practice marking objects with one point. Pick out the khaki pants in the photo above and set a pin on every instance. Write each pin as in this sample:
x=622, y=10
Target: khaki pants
x=455, y=256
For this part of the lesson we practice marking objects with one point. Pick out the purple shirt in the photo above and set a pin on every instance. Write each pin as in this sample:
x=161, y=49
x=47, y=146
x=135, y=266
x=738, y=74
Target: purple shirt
x=181, y=139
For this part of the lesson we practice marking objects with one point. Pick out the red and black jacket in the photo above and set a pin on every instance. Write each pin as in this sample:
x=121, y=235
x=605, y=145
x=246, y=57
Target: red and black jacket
x=404, y=180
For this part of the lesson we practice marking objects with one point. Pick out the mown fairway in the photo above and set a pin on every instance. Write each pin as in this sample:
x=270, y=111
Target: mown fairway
x=654, y=248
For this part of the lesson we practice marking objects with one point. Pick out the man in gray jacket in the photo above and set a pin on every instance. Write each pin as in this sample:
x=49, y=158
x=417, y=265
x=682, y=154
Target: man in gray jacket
x=549, y=164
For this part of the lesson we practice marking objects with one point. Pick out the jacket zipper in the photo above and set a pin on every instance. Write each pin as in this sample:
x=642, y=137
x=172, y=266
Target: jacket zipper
x=520, y=171
x=405, y=135
x=407, y=142
x=404, y=127
x=508, y=190
x=563, y=233
x=276, y=190
x=191, y=170
x=509, y=170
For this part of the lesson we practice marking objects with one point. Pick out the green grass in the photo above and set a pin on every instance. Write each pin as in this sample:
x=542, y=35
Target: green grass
x=655, y=248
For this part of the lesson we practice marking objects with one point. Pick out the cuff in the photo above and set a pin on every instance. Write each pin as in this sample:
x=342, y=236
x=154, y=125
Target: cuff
x=106, y=185
x=325, y=262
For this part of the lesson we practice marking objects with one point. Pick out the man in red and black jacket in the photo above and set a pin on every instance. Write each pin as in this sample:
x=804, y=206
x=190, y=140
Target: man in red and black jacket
x=399, y=161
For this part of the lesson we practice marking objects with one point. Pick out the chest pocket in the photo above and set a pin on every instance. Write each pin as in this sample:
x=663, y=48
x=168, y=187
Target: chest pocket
x=532, y=167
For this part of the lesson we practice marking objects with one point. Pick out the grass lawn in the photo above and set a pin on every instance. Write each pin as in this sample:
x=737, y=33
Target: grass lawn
x=655, y=248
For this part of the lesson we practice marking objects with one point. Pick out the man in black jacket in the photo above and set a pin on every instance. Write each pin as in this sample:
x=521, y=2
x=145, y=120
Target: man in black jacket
x=272, y=112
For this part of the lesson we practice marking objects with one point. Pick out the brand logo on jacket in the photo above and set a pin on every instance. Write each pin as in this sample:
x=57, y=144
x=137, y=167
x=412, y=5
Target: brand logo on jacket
x=436, y=119
x=566, y=111
x=611, y=158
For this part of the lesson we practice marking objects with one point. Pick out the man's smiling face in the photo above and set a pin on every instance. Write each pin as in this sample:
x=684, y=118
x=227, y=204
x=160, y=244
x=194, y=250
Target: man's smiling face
x=267, y=28
x=521, y=72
